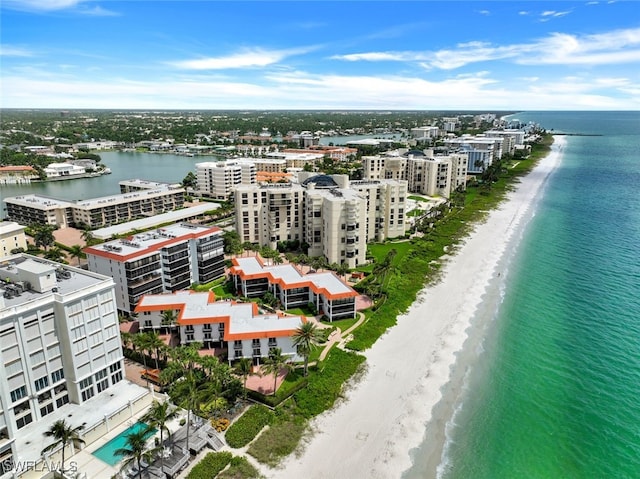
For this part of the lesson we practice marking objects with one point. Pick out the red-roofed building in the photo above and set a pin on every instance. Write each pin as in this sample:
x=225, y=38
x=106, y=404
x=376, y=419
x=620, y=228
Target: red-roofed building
x=330, y=295
x=239, y=328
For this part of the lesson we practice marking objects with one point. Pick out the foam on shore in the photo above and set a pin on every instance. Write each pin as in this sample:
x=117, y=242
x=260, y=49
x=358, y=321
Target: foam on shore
x=385, y=414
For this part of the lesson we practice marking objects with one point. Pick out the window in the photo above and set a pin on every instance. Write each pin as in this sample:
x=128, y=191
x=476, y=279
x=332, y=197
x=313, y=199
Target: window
x=62, y=401
x=87, y=394
x=19, y=393
x=41, y=383
x=23, y=421
x=85, y=383
x=46, y=410
x=117, y=377
x=115, y=367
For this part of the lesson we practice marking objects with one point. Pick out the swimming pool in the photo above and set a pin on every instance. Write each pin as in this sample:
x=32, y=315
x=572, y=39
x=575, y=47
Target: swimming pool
x=107, y=454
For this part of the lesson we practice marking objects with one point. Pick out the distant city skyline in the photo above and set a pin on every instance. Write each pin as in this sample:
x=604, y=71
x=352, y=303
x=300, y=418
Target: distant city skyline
x=375, y=55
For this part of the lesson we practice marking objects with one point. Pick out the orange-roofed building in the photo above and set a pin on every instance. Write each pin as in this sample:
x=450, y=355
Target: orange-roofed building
x=330, y=295
x=240, y=328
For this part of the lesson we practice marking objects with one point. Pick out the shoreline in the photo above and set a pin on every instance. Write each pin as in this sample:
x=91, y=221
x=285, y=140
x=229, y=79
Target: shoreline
x=410, y=369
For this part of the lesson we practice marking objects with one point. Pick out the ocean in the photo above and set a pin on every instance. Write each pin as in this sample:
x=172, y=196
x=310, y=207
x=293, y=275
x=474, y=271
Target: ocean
x=553, y=389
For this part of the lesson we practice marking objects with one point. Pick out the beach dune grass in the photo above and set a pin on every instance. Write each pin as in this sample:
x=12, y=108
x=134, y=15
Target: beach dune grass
x=246, y=427
x=277, y=442
x=239, y=468
x=210, y=465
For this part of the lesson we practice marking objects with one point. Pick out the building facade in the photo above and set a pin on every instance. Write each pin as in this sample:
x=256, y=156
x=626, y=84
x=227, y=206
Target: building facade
x=11, y=237
x=163, y=260
x=328, y=293
x=335, y=218
x=238, y=328
x=59, y=345
x=96, y=212
x=218, y=179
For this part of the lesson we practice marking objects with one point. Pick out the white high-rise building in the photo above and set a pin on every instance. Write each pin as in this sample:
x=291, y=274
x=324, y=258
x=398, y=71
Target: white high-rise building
x=59, y=347
x=334, y=217
x=218, y=179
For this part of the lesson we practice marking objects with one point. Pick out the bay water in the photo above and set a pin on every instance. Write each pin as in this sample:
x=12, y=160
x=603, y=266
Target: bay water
x=124, y=166
x=552, y=389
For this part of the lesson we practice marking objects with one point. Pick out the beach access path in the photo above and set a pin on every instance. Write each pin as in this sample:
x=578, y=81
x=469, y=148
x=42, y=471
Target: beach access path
x=386, y=412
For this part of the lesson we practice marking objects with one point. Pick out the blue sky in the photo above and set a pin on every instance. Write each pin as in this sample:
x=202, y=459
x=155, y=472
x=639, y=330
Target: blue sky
x=418, y=55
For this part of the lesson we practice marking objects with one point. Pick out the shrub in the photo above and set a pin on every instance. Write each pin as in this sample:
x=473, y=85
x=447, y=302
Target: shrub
x=210, y=466
x=240, y=468
x=325, y=387
x=277, y=442
x=247, y=427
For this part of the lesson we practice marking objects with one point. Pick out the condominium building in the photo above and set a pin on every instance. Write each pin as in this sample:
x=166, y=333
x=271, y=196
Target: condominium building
x=334, y=224
x=330, y=295
x=218, y=179
x=423, y=133
x=266, y=214
x=96, y=212
x=11, y=237
x=481, y=151
x=297, y=158
x=163, y=260
x=511, y=138
x=238, y=328
x=425, y=173
x=59, y=346
x=333, y=217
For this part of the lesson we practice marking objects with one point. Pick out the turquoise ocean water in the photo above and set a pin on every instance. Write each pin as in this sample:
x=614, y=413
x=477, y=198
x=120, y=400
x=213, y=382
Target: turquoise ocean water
x=554, y=390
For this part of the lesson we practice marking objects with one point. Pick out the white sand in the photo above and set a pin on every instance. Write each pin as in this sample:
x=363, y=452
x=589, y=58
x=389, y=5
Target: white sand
x=370, y=434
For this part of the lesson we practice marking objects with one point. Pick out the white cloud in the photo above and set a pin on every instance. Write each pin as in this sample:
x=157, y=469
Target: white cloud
x=618, y=46
x=13, y=51
x=302, y=90
x=41, y=5
x=249, y=58
x=484, y=12
x=523, y=12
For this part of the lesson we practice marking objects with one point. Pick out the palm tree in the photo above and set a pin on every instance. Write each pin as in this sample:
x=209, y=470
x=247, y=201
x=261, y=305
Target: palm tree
x=154, y=343
x=126, y=338
x=87, y=236
x=183, y=364
x=140, y=340
x=54, y=254
x=169, y=317
x=306, y=337
x=158, y=415
x=135, y=449
x=64, y=435
x=243, y=367
x=75, y=251
x=274, y=364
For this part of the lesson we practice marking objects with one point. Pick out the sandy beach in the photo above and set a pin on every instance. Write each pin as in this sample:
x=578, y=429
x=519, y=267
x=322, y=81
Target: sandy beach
x=385, y=414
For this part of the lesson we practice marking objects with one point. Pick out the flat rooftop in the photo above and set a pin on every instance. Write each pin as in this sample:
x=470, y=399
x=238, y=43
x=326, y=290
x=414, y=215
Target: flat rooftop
x=73, y=280
x=144, y=223
x=40, y=202
x=243, y=318
x=150, y=240
x=292, y=277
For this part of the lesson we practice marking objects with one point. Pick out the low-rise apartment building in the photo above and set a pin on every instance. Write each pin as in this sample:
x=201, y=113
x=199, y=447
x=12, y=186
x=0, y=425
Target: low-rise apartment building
x=11, y=237
x=59, y=346
x=163, y=260
x=330, y=295
x=238, y=328
x=96, y=212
